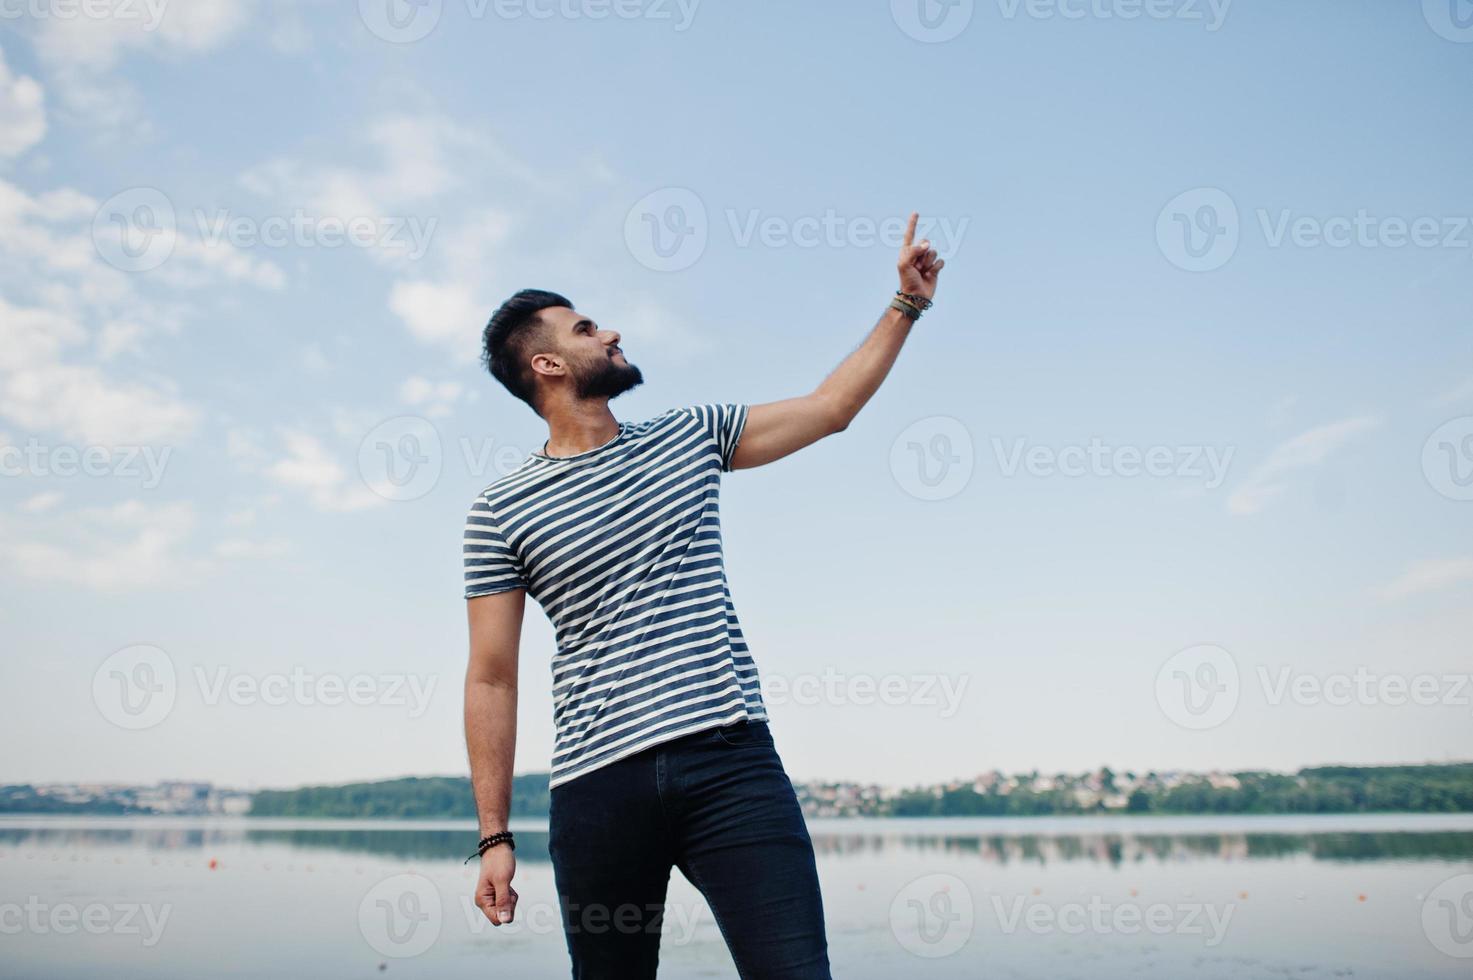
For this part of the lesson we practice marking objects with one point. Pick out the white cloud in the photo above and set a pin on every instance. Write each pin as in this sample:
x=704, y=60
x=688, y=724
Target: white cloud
x=130, y=545
x=41, y=392
x=1306, y=450
x=1428, y=576
x=440, y=313
x=250, y=548
x=433, y=399
x=41, y=502
x=81, y=52
x=22, y=112
x=310, y=468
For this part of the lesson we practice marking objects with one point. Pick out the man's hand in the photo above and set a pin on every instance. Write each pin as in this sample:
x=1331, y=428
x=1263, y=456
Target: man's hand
x=494, y=894
x=918, y=263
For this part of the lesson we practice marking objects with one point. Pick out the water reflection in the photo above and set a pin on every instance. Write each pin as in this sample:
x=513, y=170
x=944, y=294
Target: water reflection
x=406, y=841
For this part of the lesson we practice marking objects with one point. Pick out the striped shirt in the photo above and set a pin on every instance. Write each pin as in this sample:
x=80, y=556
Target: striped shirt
x=621, y=546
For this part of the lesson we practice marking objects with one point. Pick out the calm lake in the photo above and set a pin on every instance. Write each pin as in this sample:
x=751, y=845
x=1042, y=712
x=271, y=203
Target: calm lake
x=1378, y=896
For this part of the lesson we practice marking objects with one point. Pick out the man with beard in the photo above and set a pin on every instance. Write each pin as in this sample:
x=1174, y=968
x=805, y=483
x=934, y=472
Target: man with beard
x=663, y=756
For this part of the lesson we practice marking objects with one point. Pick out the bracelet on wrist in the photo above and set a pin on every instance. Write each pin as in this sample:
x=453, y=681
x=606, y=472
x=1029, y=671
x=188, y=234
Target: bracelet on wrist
x=907, y=310
x=493, y=840
x=915, y=299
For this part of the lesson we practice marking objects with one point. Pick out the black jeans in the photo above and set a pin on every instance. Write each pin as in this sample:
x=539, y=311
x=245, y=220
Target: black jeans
x=717, y=805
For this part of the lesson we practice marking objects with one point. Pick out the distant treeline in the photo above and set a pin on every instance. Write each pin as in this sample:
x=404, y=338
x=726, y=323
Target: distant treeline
x=444, y=797
x=23, y=798
x=1325, y=789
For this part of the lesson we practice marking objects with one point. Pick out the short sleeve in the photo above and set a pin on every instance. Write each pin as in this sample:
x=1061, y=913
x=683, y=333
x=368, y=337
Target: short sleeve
x=724, y=424
x=490, y=564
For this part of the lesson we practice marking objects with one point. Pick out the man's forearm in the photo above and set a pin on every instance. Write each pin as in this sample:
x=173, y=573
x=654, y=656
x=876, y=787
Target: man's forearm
x=491, y=742
x=855, y=381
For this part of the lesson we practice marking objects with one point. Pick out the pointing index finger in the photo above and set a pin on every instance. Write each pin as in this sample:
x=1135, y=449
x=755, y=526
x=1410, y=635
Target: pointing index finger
x=910, y=229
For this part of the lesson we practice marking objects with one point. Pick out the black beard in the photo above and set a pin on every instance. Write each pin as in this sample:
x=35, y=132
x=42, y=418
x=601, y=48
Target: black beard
x=609, y=380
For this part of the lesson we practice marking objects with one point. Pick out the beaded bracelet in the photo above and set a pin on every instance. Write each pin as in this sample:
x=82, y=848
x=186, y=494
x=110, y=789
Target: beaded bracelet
x=486, y=843
x=915, y=300
x=906, y=309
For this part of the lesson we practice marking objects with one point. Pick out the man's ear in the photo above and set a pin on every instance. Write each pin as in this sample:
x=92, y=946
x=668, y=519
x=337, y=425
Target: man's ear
x=548, y=364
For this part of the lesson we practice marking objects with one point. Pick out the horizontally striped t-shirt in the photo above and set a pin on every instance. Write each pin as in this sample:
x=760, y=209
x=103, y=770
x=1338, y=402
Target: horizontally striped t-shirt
x=621, y=546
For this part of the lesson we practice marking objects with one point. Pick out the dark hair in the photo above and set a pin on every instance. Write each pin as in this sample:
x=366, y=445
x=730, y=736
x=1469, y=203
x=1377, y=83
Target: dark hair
x=509, y=338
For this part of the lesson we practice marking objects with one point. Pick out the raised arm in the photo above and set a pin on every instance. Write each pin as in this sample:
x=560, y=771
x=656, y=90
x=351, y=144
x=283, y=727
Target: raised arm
x=777, y=429
x=491, y=736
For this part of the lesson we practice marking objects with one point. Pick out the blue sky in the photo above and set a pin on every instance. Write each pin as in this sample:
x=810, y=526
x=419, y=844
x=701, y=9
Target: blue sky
x=1312, y=336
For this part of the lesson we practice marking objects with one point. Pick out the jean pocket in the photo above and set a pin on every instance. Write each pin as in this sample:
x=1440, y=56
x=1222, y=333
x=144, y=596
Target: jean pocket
x=745, y=733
